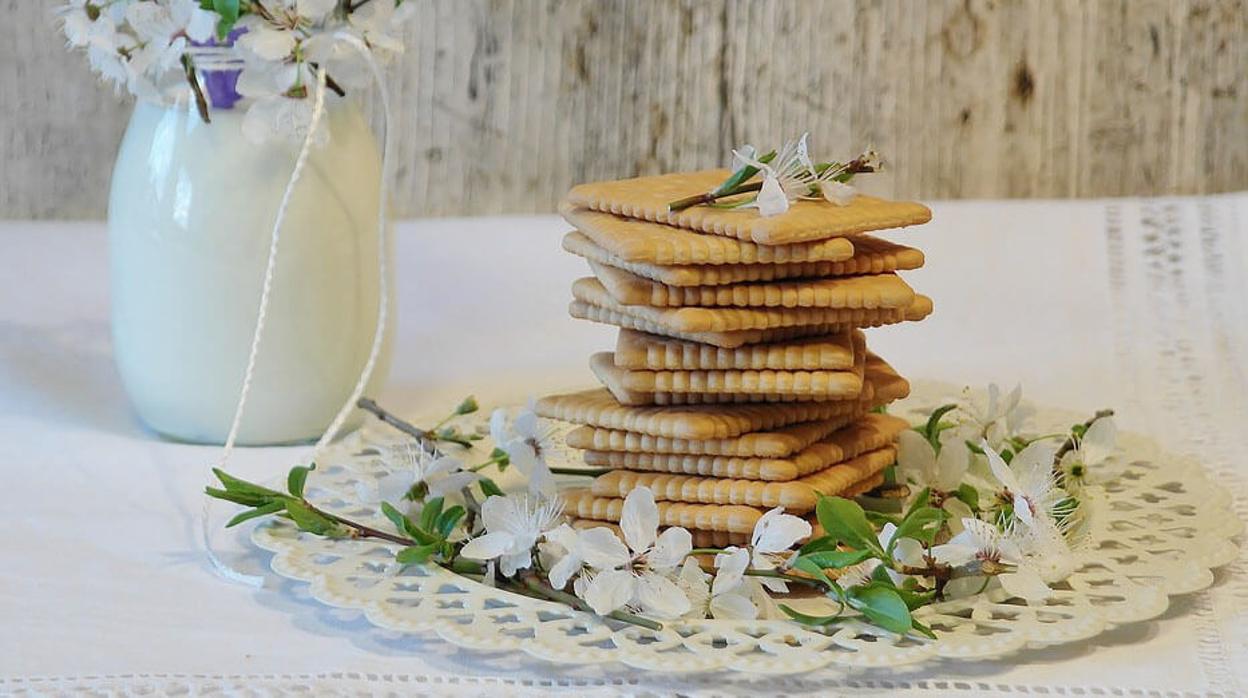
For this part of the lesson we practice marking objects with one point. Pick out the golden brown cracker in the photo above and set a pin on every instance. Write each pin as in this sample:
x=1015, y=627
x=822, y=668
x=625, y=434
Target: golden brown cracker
x=640, y=350
x=796, y=496
x=590, y=290
x=868, y=433
x=777, y=443
x=873, y=291
x=597, y=407
x=647, y=198
x=583, y=504
x=871, y=256
x=633, y=240
x=727, y=340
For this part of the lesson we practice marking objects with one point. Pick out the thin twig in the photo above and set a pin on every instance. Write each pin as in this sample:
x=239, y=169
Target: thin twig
x=201, y=103
x=411, y=430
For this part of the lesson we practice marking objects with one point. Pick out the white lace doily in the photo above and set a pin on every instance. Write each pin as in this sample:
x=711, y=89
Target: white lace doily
x=1158, y=530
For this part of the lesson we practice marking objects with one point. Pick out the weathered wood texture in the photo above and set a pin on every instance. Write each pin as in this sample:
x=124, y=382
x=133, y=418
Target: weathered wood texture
x=506, y=103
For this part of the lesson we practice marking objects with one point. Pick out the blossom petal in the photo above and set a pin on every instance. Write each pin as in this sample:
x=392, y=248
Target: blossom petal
x=639, y=519
x=730, y=569
x=1025, y=584
x=442, y=486
x=500, y=514
x=670, y=548
x=527, y=424
x=771, y=200
x=838, y=193
x=776, y=531
x=488, y=546
x=563, y=570
x=609, y=591
x=659, y=596
x=511, y=563
x=1000, y=469
x=315, y=10
x=602, y=549
x=915, y=457
x=498, y=427
x=268, y=44
x=733, y=607
x=951, y=465
x=1099, y=441
x=445, y=464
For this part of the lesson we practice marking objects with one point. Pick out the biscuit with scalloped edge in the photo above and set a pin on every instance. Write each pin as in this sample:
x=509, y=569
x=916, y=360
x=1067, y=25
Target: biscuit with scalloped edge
x=632, y=240
x=640, y=350
x=590, y=290
x=647, y=198
x=872, y=291
x=871, y=256
x=797, y=496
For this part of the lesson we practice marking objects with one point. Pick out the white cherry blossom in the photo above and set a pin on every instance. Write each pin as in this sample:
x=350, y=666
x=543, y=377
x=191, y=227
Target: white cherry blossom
x=770, y=543
x=983, y=542
x=527, y=441
x=922, y=466
x=514, y=525
x=715, y=598
x=636, y=572
x=998, y=417
x=786, y=178
x=1093, y=458
x=411, y=465
x=1027, y=481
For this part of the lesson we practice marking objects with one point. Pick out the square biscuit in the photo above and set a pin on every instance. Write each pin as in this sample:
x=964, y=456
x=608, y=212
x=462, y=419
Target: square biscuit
x=632, y=240
x=726, y=340
x=603, y=446
x=868, y=433
x=647, y=198
x=597, y=407
x=871, y=256
x=722, y=539
x=639, y=350
x=581, y=503
x=590, y=290
x=833, y=384
x=871, y=291
x=795, y=496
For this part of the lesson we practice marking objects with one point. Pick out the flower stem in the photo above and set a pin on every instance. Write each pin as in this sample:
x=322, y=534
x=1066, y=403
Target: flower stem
x=201, y=103
x=786, y=577
x=706, y=551
x=535, y=585
x=493, y=460
x=417, y=433
x=708, y=197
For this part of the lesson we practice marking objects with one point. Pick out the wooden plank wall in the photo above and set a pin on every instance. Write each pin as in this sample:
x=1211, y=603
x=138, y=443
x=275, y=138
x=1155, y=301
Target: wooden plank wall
x=505, y=103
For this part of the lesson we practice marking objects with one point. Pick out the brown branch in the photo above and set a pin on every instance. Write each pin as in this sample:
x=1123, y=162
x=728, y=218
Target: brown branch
x=411, y=430
x=201, y=103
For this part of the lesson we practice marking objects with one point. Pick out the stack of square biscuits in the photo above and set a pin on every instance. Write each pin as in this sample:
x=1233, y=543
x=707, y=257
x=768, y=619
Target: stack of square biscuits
x=741, y=379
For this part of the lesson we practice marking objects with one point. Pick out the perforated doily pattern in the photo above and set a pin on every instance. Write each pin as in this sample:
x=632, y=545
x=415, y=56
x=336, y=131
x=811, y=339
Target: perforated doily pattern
x=1155, y=531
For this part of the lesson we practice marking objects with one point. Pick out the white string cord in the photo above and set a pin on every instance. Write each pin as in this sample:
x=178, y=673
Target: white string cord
x=370, y=365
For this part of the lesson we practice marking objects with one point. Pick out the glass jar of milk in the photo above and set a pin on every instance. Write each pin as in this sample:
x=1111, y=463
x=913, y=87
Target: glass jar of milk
x=190, y=215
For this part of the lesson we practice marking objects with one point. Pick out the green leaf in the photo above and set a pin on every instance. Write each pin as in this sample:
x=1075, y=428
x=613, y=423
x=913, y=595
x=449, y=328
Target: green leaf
x=847, y=522
x=837, y=558
x=309, y=520
x=490, y=488
x=922, y=629
x=932, y=429
x=914, y=598
x=814, y=570
x=879, y=518
x=430, y=512
x=969, y=495
x=744, y=174
x=805, y=619
x=921, y=524
x=416, y=554
x=890, y=474
x=265, y=510
x=245, y=499
x=817, y=544
x=882, y=606
x=234, y=484
x=297, y=478
x=228, y=9
x=502, y=458
x=396, y=517
x=1007, y=455
x=449, y=518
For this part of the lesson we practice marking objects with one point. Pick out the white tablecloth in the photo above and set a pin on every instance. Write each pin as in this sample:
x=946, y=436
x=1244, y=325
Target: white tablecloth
x=1133, y=304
